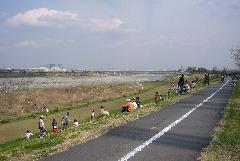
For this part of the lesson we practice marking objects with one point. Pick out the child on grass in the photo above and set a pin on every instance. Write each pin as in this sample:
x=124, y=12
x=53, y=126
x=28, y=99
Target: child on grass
x=75, y=123
x=28, y=134
x=54, y=126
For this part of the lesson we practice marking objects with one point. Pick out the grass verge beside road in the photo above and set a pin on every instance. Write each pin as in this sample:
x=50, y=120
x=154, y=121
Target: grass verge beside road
x=225, y=145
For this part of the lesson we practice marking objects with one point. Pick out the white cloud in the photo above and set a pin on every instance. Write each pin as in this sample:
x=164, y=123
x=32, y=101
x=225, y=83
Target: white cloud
x=44, y=17
x=100, y=24
x=27, y=43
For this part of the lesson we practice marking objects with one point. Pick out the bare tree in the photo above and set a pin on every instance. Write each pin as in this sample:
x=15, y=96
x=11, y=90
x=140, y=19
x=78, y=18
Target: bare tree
x=236, y=55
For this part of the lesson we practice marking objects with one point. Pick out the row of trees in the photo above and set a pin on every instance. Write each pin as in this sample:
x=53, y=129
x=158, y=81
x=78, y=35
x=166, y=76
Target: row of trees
x=235, y=54
x=214, y=70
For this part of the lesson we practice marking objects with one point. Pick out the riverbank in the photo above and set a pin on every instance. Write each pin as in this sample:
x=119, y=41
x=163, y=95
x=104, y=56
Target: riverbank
x=35, y=148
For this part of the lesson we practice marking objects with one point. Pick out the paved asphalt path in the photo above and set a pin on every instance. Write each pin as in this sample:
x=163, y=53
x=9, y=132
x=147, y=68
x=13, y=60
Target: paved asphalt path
x=183, y=142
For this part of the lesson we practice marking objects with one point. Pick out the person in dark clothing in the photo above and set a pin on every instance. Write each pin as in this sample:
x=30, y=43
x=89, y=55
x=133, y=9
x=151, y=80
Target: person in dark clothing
x=222, y=78
x=54, y=126
x=138, y=102
x=54, y=123
x=157, y=98
x=67, y=119
x=206, y=79
x=181, y=83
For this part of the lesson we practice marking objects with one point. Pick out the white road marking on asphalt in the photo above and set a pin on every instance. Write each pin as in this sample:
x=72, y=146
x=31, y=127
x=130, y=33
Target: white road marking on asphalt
x=166, y=129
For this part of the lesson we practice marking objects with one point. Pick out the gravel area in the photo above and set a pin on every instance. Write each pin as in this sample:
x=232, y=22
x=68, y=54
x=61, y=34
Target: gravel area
x=50, y=82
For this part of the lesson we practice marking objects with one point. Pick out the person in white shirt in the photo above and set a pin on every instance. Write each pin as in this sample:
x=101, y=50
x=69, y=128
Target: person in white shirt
x=134, y=103
x=28, y=134
x=103, y=112
x=193, y=85
x=75, y=123
x=92, y=115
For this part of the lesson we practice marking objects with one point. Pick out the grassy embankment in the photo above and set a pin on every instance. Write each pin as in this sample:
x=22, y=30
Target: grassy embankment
x=57, y=99
x=225, y=145
x=36, y=147
x=80, y=110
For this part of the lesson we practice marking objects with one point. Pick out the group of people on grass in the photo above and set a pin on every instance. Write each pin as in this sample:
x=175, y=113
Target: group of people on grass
x=183, y=87
x=65, y=122
x=131, y=105
x=102, y=113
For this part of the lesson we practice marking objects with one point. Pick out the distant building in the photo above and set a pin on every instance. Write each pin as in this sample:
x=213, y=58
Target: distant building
x=57, y=69
x=51, y=68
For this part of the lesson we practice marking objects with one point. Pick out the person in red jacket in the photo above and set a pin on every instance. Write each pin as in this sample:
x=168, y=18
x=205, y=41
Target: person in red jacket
x=128, y=107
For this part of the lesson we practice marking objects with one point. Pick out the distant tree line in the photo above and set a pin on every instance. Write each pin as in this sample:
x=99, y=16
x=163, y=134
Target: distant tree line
x=214, y=70
x=196, y=70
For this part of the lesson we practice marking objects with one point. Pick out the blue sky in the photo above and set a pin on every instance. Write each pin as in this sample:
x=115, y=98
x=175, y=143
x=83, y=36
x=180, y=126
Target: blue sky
x=119, y=34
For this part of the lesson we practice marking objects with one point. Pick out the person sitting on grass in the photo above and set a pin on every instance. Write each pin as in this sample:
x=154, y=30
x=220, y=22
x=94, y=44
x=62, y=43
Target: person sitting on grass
x=134, y=103
x=103, y=112
x=186, y=87
x=193, y=86
x=128, y=107
x=161, y=98
x=75, y=123
x=28, y=134
x=157, y=98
